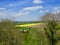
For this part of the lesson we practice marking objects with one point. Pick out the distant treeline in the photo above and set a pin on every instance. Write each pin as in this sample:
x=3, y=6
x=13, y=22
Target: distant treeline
x=28, y=22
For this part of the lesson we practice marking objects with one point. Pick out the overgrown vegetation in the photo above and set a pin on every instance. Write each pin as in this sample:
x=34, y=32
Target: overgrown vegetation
x=44, y=34
x=51, y=27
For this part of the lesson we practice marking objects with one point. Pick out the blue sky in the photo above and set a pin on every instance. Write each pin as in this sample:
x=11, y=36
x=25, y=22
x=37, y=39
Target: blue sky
x=27, y=10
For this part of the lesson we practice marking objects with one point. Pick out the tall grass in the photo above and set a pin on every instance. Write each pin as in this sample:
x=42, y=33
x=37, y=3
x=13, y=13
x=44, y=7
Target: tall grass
x=11, y=35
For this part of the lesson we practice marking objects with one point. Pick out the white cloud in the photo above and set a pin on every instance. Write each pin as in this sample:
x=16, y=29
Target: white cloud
x=47, y=11
x=41, y=11
x=2, y=15
x=37, y=1
x=16, y=3
x=20, y=14
x=10, y=4
x=2, y=8
x=33, y=8
x=56, y=10
x=13, y=5
x=27, y=11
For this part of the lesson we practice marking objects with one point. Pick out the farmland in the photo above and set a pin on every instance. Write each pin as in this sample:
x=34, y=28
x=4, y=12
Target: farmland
x=36, y=31
x=28, y=25
x=25, y=33
x=31, y=33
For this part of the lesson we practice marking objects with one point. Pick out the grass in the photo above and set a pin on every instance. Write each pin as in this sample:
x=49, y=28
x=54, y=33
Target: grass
x=36, y=40
x=32, y=37
x=36, y=36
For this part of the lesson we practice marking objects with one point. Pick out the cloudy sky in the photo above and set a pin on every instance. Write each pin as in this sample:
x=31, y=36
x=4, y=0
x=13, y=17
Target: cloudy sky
x=27, y=10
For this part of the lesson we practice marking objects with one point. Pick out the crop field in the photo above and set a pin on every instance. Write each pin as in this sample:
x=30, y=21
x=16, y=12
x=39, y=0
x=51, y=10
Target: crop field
x=28, y=25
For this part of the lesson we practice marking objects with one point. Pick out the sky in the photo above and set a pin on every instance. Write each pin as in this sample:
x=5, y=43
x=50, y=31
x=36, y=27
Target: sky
x=27, y=10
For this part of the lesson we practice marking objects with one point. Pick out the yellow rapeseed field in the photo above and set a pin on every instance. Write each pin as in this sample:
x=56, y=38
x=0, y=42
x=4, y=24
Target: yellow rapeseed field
x=27, y=25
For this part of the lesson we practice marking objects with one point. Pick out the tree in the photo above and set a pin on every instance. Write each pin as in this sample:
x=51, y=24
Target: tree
x=7, y=29
x=50, y=28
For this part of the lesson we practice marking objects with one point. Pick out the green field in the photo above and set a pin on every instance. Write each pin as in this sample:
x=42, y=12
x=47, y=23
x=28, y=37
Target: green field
x=33, y=35
x=37, y=34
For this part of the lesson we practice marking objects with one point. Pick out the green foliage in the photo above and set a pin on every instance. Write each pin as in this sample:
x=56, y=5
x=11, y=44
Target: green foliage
x=51, y=29
x=10, y=35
